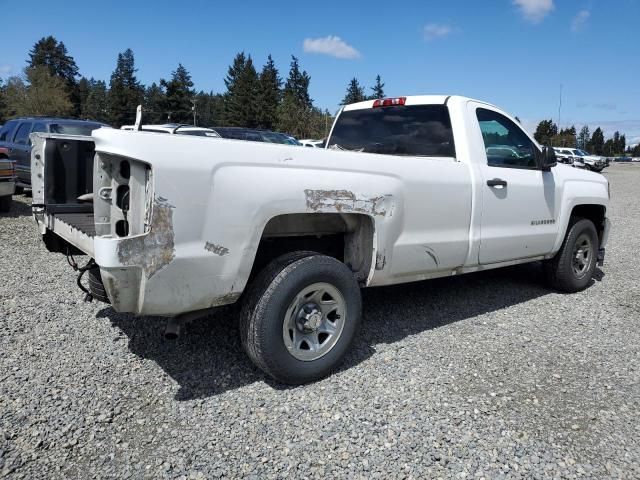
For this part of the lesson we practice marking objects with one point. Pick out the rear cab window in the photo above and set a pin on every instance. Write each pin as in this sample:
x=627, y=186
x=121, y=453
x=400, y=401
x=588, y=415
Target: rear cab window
x=405, y=130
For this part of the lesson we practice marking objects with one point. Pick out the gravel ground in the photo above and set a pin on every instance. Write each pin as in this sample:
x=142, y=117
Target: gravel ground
x=487, y=375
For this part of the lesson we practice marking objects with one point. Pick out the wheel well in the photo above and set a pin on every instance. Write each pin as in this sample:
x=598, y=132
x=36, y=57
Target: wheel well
x=345, y=236
x=595, y=213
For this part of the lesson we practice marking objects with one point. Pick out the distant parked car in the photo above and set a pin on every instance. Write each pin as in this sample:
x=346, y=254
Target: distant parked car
x=591, y=162
x=255, y=135
x=176, y=129
x=14, y=136
x=564, y=155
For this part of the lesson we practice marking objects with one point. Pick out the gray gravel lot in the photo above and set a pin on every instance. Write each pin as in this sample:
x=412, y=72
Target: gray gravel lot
x=487, y=375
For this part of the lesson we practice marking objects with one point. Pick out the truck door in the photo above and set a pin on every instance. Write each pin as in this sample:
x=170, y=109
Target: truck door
x=21, y=153
x=520, y=202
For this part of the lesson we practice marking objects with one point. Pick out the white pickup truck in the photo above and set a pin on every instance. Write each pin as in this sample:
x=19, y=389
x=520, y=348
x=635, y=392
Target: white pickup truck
x=407, y=189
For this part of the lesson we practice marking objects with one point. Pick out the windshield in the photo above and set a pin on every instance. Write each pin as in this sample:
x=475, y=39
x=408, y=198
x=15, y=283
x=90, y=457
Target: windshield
x=417, y=130
x=582, y=153
x=74, y=128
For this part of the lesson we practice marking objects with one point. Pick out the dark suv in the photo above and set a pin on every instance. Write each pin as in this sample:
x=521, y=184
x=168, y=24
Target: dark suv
x=14, y=136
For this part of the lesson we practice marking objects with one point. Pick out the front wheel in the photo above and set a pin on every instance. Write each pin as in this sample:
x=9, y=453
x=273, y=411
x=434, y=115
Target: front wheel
x=300, y=316
x=573, y=266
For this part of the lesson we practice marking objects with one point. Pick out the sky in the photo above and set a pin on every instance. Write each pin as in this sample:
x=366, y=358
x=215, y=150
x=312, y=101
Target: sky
x=517, y=54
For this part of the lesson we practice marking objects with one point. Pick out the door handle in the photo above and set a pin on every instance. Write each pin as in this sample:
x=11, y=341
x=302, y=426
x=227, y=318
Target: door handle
x=497, y=182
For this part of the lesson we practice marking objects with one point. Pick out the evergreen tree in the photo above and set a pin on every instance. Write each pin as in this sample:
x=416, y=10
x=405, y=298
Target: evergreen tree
x=125, y=92
x=297, y=85
x=82, y=90
x=545, y=131
x=3, y=102
x=296, y=112
x=596, y=144
x=41, y=94
x=270, y=85
x=242, y=92
x=95, y=106
x=355, y=93
x=178, y=95
x=377, y=89
x=48, y=52
x=584, y=137
x=210, y=109
x=153, y=107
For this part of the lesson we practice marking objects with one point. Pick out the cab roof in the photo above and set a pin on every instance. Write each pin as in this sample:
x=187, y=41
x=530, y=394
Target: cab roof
x=414, y=100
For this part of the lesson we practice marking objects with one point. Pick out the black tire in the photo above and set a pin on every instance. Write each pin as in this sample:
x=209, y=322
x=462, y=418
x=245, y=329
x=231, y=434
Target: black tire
x=267, y=301
x=5, y=203
x=96, y=287
x=560, y=271
x=19, y=190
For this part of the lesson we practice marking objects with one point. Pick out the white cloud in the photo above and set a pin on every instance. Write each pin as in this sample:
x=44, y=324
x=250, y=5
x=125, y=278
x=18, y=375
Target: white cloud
x=5, y=69
x=580, y=20
x=331, y=45
x=434, y=30
x=534, y=10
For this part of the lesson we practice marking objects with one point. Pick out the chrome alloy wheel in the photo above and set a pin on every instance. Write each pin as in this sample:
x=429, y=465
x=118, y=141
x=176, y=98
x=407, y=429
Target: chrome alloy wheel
x=314, y=321
x=582, y=256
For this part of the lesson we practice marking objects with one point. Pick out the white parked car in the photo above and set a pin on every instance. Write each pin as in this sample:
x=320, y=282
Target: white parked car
x=409, y=188
x=175, y=128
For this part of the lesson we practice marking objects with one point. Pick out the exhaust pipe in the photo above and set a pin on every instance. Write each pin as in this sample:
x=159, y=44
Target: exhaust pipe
x=172, y=330
x=174, y=324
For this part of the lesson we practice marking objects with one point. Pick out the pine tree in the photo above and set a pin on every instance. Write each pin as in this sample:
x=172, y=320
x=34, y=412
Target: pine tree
x=270, y=93
x=296, y=112
x=95, y=106
x=596, y=144
x=242, y=91
x=377, y=89
x=210, y=109
x=355, y=93
x=48, y=52
x=545, y=131
x=3, y=102
x=297, y=85
x=178, y=95
x=584, y=137
x=83, y=92
x=125, y=92
x=153, y=106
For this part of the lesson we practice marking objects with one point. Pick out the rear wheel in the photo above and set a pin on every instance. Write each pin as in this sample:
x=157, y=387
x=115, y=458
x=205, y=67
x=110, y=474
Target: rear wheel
x=300, y=316
x=19, y=190
x=5, y=203
x=573, y=266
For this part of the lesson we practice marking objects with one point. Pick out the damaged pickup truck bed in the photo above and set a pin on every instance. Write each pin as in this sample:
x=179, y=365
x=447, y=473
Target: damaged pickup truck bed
x=408, y=189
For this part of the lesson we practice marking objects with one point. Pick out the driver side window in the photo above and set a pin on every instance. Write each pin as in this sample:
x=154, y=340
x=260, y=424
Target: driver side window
x=505, y=143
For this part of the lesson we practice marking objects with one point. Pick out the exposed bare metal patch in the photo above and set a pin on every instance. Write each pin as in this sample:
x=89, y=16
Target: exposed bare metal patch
x=216, y=249
x=155, y=250
x=346, y=201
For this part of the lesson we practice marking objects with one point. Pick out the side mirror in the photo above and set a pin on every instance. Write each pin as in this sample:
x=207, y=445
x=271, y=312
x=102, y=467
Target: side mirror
x=548, y=158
